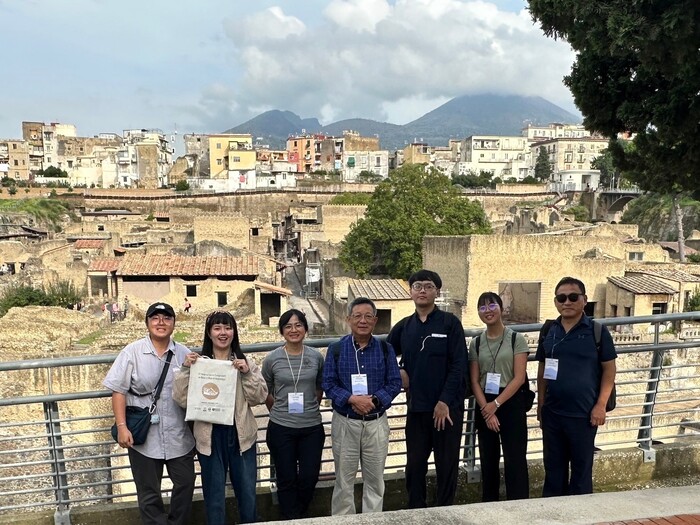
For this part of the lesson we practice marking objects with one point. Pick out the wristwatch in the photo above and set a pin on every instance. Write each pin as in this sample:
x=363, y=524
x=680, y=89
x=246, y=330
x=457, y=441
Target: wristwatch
x=375, y=401
x=498, y=405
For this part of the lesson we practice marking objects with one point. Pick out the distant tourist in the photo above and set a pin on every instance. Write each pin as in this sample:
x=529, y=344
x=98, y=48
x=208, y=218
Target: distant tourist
x=498, y=371
x=361, y=378
x=295, y=434
x=187, y=305
x=115, y=311
x=434, y=370
x=126, y=306
x=574, y=381
x=227, y=449
x=132, y=380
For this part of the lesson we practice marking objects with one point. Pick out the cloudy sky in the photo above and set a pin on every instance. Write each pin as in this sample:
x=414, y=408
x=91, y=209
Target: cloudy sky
x=208, y=65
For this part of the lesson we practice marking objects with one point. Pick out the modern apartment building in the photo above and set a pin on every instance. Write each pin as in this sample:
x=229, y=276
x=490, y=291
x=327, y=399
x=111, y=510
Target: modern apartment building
x=570, y=159
x=14, y=159
x=503, y=156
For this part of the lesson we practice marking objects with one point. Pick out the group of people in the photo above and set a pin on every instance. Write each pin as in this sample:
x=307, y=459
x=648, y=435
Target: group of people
x=425, y=354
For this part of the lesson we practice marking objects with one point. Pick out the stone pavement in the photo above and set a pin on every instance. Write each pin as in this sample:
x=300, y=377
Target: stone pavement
x=680, y=504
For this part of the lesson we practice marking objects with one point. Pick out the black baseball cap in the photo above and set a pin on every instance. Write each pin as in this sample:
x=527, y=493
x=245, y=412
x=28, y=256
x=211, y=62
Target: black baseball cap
x=160, y=308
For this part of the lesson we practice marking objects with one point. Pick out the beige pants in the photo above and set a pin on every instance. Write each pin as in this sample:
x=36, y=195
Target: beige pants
x=359, y=442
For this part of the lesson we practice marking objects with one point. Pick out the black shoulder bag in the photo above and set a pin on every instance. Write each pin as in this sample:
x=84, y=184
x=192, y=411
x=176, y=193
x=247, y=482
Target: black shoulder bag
x=138, y=419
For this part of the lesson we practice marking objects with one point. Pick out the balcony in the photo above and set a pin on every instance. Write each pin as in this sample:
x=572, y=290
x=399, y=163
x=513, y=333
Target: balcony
x=53, y=461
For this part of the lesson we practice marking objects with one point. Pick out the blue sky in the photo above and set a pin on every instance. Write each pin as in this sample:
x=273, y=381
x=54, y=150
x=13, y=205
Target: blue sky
x=208, y=65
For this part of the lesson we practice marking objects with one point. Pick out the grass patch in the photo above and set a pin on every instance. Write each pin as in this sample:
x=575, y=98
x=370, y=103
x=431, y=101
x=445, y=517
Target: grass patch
x=91, y=338
x=181, y=337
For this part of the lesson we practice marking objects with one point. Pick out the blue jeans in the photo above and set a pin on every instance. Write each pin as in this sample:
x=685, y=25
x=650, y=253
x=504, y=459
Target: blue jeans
x=226, y=457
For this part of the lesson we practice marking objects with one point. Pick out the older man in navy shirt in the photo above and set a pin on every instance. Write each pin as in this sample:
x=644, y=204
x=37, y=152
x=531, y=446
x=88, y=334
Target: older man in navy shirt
x=361, y=377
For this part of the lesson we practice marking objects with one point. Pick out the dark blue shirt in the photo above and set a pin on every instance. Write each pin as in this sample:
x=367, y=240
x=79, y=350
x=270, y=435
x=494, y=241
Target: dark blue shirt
x=575, y=391
x=383, y=377
x=434, y=355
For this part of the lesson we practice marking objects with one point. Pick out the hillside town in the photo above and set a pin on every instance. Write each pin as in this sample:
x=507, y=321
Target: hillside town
x=144, y=158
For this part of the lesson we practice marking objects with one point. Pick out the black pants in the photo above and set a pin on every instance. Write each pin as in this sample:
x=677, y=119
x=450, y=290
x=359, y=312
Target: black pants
x=421, y=439
x=296, y=453
x=567, y=441
x=513, y=438
x=148, y=473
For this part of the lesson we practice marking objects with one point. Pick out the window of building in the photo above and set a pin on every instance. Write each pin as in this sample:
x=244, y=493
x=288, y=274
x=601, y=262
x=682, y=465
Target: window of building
x=236, y=159
x=221, y=299
x=255, y=231
x=628, y=311
x=191, y=290
x=16, y=162
x=70, y=163
x=14, y=146
x=659, y=308
x=100, y=227
x=377, y=161
x=613, y=310
x=635, y=256
x=218, y=145
x=218, y=162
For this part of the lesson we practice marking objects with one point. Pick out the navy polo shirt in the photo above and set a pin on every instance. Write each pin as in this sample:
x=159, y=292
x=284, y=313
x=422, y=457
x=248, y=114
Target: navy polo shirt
x=434, y=355
x=576, y=389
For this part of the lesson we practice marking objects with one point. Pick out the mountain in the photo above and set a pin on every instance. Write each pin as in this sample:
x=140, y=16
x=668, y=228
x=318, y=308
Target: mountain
x=458, y=118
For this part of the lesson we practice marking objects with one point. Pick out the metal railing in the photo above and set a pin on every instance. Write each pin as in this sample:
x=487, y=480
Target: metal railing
x=56, y=451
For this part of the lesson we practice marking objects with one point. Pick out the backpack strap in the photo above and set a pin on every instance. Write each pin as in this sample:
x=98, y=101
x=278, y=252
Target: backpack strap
x=597, y=334
x=544, y=331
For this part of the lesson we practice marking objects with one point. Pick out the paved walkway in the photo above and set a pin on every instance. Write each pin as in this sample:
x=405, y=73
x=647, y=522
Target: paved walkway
x=684, y=519
x=680, y=504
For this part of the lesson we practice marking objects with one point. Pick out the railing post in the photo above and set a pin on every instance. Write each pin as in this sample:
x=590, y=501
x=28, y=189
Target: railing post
x=468, y=453
x=58, y=466
x=644, y=436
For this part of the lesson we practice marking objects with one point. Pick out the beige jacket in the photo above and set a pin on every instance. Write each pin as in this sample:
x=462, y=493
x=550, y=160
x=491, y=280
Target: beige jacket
x=251, y=390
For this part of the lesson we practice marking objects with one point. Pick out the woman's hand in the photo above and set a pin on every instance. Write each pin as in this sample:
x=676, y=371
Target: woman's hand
x=493, y=424
x=190, y=359
x=241, y=365
x=488, y=410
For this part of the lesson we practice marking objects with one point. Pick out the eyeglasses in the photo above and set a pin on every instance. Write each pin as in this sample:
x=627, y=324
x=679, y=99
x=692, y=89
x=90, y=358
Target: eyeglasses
x=428, y=287
x=562, y=297
x=488, y=307
x=358, y=317
x=160, y=319
x=295, y=326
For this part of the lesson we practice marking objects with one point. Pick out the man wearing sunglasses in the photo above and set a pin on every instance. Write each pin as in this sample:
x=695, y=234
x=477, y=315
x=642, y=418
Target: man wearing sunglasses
x=433, y=369
x=574, y=380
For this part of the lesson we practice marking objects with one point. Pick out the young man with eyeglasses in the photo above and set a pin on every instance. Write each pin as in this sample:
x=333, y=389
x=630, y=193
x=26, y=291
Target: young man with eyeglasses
x=361, y=378
x=132, y=379
x=574, y=380
x=433, y=370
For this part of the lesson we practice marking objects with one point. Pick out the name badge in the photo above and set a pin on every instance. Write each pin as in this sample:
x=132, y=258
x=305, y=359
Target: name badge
x=551, y=367
x=295, y=402
x=155, y=419
x=493, y=383
x=359, y=384
x=439, y=336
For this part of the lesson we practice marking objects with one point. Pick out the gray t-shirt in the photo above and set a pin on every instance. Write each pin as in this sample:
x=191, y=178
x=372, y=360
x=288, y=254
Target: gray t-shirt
x=280, y=375
x=497, y=355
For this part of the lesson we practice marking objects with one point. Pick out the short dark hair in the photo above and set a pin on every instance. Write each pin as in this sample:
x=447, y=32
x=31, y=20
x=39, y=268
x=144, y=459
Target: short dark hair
x=426, y=275
x=362, y=300
x=490, y=297
x=221, y=317
x=571, y=280
x=286, y=316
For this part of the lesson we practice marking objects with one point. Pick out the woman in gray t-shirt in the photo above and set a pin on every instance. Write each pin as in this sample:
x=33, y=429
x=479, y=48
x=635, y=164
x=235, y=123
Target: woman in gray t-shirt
x=295, y=434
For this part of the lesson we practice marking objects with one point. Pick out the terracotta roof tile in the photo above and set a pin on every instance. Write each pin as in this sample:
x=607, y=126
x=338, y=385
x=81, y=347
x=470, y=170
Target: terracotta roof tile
x=83, y=244
x=642, y=284
x=105, y=264
x=179, y=265
x=379, y=289
x=671, y=275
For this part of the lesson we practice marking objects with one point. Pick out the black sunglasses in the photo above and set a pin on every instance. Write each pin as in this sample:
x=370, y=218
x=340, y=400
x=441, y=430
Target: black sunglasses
x=562, y=297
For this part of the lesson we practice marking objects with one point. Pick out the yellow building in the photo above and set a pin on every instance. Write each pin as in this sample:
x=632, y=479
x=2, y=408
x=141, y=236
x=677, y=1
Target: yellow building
x=230, y=152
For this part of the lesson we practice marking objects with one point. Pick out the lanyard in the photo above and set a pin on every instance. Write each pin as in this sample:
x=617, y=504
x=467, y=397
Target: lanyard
x=301, y=362
x=493, y=363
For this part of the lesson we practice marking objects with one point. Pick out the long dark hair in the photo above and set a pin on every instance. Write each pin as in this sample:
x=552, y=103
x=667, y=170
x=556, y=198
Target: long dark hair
x=221, y=317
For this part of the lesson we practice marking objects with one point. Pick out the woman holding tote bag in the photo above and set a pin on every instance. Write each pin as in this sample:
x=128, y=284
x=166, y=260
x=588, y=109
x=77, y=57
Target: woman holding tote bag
x=227, y=448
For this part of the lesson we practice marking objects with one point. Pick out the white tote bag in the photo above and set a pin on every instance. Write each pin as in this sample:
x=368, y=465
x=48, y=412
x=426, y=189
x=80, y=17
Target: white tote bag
x=211, y=395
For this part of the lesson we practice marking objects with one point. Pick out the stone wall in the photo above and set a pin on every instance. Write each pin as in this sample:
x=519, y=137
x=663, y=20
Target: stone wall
x=337, y=220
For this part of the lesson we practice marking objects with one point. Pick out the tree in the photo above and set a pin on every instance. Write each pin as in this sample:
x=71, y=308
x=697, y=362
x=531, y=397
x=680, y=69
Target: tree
x=369, y=177
x=22, y=295
x=351, y=198
x=12, y=190
x=404, y=208
x=637, y=70
x=182, y=185
x=53, y=171
x=543, y=169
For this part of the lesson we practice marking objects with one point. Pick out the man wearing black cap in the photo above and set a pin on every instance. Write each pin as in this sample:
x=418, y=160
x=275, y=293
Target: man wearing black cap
x=133, y=380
